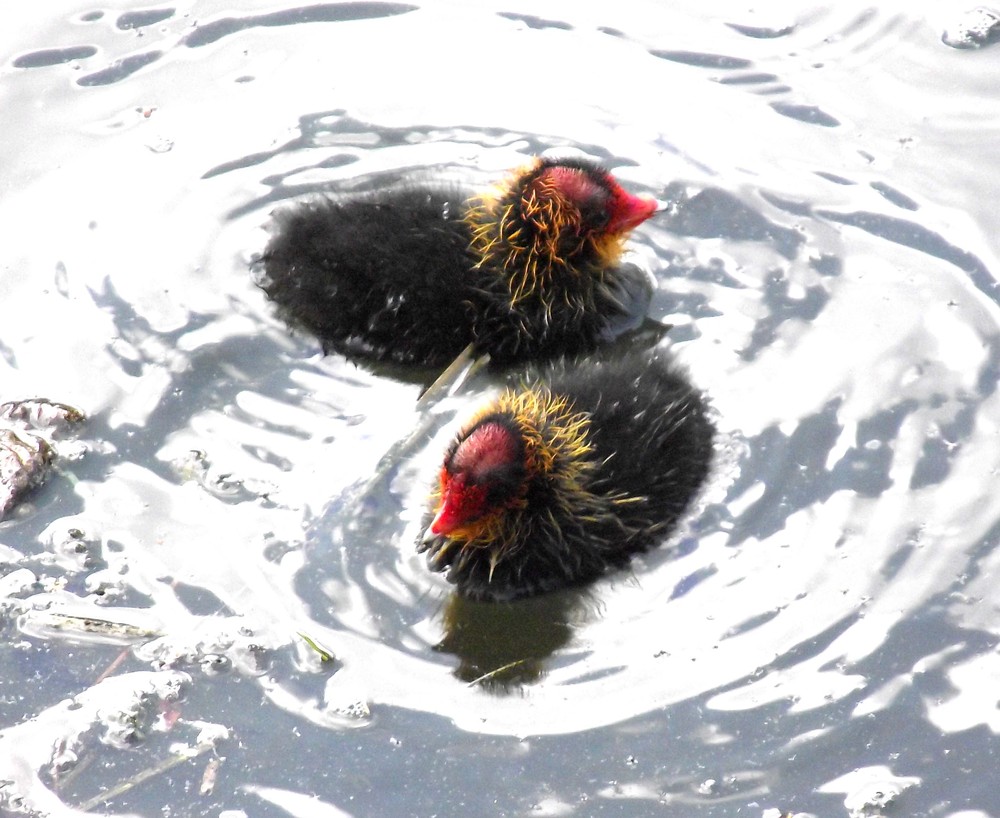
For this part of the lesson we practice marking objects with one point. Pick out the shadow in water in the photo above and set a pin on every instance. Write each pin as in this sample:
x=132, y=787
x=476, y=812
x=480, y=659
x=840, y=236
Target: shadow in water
x=502, y=646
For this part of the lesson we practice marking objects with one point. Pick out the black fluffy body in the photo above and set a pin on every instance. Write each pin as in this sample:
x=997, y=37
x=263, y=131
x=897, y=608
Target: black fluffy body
x=383, y=277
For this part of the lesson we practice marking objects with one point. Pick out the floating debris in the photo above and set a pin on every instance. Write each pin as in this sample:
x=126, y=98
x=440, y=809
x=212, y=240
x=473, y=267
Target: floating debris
x=875, y=799
x=195, y=466
x=871, y=792
x=974, y=29
x=27, y=431
x=48, y=623
x=216, y=644
x=775, y=813
x=344, y=696
x=324, y=654
x=24, y=461
x=42, y=415
x=209, y=777
x=116, y=714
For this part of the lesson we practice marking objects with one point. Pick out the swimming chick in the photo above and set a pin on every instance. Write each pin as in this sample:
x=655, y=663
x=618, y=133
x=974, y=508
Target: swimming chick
x=527, y=271
x=557, y=481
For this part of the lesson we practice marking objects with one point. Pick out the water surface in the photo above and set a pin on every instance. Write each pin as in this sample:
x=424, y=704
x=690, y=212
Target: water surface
x=819, y=636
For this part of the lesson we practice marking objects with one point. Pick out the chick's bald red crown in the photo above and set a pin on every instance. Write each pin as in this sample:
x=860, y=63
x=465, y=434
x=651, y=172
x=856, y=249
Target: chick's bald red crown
x=592, y=188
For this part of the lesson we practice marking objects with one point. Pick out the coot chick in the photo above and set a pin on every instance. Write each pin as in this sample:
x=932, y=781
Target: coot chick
x=529, y=270
x=555, y=482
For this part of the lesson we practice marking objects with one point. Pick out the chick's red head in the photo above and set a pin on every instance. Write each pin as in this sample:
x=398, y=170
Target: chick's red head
x=603, y=205
x=482, y=475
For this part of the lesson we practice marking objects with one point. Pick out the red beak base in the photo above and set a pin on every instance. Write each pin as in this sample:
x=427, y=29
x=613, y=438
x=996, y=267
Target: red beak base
x=628, y=211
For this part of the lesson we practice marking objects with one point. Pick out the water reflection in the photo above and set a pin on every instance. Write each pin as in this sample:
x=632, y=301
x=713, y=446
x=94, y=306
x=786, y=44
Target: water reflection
x=502, y=646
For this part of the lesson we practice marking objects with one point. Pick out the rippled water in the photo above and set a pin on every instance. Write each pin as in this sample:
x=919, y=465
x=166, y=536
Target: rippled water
x=819, y=637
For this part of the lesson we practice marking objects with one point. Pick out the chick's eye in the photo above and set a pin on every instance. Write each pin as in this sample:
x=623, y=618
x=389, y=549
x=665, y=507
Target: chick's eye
x=595, y=213
x=503, y=483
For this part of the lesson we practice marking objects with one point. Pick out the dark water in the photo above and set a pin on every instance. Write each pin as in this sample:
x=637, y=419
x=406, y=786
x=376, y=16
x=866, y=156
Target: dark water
x=819, y=637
